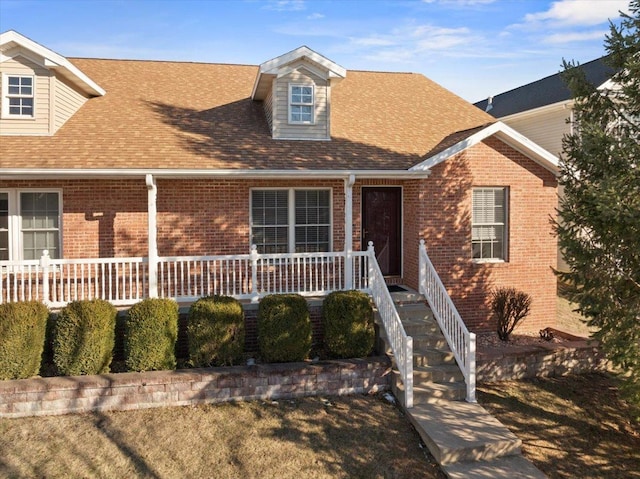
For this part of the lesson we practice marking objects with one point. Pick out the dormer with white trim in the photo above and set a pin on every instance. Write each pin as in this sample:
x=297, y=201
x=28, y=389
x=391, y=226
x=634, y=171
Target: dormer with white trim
x=39, y=89
x=295, y=89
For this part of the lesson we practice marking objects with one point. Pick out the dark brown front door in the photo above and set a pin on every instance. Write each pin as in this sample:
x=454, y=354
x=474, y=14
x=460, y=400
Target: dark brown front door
x=381, y=223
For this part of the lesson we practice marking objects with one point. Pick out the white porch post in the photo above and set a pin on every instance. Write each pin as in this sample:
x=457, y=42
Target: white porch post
x=152, y=223
x=348, y=231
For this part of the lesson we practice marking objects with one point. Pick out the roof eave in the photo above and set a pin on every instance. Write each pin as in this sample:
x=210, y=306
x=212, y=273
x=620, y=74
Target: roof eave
x=506, y=134
x=54, y=61
x=80, y=173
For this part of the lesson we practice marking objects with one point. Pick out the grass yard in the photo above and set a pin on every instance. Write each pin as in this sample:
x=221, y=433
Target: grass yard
x=575, y=426
x=355, y=437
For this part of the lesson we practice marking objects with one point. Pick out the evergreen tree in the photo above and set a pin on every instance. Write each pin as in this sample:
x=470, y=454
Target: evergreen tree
x=600, y=171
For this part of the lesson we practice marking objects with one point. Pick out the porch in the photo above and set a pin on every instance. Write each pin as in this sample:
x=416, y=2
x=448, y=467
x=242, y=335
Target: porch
x=249, y=277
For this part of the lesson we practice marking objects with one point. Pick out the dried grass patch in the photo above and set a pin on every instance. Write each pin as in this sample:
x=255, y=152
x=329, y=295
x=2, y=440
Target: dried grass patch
x=342, y=437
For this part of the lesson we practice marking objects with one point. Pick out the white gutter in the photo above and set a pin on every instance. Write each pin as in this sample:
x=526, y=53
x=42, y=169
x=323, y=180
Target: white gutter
x=71, y=173
x=560, y=105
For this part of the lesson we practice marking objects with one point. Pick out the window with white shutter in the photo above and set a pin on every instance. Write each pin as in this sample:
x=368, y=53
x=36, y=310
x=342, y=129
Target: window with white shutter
x=489, y=224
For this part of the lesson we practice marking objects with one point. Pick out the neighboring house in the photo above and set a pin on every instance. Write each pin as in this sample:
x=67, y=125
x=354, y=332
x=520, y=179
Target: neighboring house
x=543, y=110
x=147, y=161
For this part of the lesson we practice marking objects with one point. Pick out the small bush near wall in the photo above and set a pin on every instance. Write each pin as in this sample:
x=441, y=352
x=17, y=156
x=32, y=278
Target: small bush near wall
x=509, y=306
x=284, y=328
x=216, y=331
x=22, y=336
x=83, y=337
x=348, y=324
x=150, y=334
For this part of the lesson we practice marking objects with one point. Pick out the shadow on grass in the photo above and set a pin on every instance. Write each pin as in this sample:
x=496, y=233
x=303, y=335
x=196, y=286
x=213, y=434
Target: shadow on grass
x=574, y=426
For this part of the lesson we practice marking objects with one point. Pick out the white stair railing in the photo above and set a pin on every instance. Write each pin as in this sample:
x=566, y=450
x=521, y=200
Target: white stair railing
x=461, y=342
x=401, y=344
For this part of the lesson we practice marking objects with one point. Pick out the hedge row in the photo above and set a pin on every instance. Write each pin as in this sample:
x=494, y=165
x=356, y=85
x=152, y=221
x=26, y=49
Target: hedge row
x=83, y=335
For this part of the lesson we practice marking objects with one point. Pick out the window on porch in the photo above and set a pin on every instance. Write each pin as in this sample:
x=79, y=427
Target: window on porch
x=291, y=220
x=29, y=224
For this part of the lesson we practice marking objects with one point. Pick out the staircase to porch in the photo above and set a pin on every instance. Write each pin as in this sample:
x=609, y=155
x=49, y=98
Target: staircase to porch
x=463, y=437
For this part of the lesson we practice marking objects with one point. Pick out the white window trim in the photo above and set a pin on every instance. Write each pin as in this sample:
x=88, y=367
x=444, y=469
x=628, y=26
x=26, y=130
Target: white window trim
x=505, y=239
x=16, y=252
x=291, y=247
x=6, y=96
x=290, y=103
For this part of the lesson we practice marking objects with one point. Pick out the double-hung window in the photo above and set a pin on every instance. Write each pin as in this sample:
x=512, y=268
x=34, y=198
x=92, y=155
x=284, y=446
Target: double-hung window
x=29, y=224
x=489, y=224
x=18, y=96
x=301, y=103
x=291, y=220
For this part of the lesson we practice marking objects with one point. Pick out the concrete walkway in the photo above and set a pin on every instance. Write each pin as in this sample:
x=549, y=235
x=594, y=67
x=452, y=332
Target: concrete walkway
x=467, y=441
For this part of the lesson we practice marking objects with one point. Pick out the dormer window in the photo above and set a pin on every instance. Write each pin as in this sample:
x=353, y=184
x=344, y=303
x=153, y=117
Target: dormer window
x=18, y=96
x=301, y=104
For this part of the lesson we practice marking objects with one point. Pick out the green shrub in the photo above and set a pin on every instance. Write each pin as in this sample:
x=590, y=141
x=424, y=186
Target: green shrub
x=22, y=333
x=83, y=337
x=509, y=306
x=347, y=318
x=284, y=328
x=150, y=335
x=216, y=331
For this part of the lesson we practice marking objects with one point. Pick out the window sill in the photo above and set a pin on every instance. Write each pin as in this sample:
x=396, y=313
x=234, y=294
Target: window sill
x=488, y=261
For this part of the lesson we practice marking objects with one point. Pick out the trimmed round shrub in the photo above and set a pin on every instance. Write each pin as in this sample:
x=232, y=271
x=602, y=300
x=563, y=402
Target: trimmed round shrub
x=83, y=337
x=22, y=335
x=150, y=335
x=347, y=318
x=284, y=328
x=215, y=331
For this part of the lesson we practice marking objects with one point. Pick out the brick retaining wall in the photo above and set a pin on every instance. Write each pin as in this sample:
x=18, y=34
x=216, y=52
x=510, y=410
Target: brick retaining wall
x=62, y=395
x=552, y=359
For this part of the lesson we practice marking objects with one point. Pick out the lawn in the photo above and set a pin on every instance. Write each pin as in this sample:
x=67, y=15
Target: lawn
x=575, y=426
x=359, y=436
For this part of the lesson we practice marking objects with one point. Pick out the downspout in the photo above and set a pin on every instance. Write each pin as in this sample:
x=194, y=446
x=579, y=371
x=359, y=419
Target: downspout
x=152, y=227
x=348, y=231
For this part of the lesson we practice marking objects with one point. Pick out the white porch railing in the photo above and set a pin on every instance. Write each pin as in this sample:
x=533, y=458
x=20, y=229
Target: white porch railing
x=401, y=344
x=460, y=340
x=125, y=281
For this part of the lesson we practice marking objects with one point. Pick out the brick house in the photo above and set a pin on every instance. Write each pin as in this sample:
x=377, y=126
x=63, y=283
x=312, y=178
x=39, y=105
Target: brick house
x=111, y=159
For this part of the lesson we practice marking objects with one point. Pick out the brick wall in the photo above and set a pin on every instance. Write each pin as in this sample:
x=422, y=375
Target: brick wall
x=63, y=395
x=442, y=207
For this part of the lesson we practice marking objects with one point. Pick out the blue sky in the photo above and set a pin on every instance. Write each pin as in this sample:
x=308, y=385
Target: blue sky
x=475, y=48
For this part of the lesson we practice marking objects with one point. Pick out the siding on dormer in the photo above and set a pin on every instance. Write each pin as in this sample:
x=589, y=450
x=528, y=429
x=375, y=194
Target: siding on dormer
x=268, y=110
x=67, y=102
x=40, y=123
x=281, y=127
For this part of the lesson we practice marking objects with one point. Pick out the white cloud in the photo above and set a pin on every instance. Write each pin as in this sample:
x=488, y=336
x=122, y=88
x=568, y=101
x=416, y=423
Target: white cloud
x=569, y=37
x=460, y=3
x=315, y=16
x=285, y=5
x=580, y=12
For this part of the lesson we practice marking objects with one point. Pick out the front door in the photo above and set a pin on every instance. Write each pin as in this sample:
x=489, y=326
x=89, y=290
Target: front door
x=382, y=224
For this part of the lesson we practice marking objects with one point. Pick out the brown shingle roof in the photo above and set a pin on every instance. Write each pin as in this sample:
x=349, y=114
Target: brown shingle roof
x=195, y=115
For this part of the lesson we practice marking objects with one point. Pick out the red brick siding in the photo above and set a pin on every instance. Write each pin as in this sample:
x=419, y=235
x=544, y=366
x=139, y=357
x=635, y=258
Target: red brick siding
x=444, y=210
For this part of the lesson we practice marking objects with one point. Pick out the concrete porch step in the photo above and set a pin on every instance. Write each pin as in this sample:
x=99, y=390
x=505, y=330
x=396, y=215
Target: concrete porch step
x=457, y=431
x=432, y=357
x=429, y=341
x=429, y=392
x=508, y=467
x=440, y=373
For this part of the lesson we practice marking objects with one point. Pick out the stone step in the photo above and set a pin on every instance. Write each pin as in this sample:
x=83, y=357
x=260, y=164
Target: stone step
x=508, y=467
x=415, y=327
x=458, y=431
x=429, y=341
x=442, y=373
x=430, y=392
x=432, y=357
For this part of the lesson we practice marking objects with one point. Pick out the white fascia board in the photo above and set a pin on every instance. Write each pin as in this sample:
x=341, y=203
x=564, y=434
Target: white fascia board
x=52, y=60
x=561, y=105
x=506, y=134
x=272, y=68
x=62, y=173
